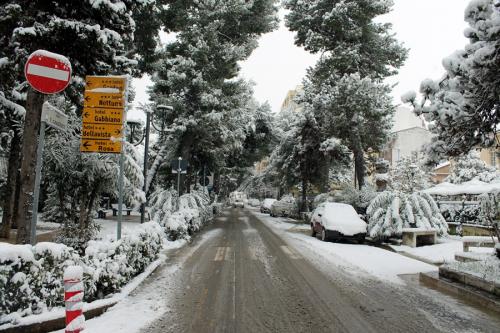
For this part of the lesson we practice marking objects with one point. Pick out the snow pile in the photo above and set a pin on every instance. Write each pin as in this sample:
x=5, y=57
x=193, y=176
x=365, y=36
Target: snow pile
x=473, y=187
x=31, y=277
x=180, y=217
x=391, y=211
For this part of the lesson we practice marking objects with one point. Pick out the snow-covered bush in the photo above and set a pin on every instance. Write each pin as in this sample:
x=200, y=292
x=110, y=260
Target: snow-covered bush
x=110, y=265
x=180, y=217
x=391, y=211
x=31, y=277
x=460, y=212
x=359, y=199
x=471, y=167
x=490, y=210
x=408, y=176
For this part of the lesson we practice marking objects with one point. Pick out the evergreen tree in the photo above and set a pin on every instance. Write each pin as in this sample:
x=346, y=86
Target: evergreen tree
x=344, y=88
x=463, y=105
x=214, y=112
x=471, y=167
x=391, y=211
x=408, y=176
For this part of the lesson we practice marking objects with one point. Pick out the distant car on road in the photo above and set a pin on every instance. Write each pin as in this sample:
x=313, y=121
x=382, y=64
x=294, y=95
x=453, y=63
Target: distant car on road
x=284, y=207
x=336, y=221
x=265, y=207
x=237, y=199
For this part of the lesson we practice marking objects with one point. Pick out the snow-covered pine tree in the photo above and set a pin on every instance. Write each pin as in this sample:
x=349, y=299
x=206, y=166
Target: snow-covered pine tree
x=345, y=87
x=391, y=211
x=197, y=75
x=408, y=176
x=463, y=105
x=471, y=167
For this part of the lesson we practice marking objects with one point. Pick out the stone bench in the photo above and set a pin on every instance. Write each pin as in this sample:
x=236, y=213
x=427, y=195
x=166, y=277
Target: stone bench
x=425, y=236
x=115, y=209
x=478, y=243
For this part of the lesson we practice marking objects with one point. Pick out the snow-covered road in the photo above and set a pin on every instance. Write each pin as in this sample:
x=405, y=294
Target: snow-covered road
x=248, y=272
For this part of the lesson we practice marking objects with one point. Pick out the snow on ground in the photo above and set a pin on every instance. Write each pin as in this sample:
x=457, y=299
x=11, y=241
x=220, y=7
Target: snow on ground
x=150, y=302
x=354, y=258
x=487, y=269
x=108, y=228
x=440, y=253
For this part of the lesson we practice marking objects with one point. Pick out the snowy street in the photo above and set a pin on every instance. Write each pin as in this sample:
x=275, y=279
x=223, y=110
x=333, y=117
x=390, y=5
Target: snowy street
x=248, y=272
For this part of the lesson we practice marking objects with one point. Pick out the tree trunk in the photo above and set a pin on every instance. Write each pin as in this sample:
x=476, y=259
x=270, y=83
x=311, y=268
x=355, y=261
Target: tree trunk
x=304, y=195
x=34, y=102
x=359, y=167
x=12, y=184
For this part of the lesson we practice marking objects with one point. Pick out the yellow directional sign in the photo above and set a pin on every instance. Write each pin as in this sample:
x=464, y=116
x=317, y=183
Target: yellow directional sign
x=103, y=100
x=103, y=113
x=117, y=82
x=101, y=131
x=100, y=146
x=102, y=116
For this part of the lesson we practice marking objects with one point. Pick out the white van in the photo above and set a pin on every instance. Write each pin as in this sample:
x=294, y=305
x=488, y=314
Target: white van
x=237, y=199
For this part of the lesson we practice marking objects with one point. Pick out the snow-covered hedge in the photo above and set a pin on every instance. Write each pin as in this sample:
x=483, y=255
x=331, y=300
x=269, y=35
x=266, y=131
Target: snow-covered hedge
x=180, y=218
x=31, y=276
x=391, y=211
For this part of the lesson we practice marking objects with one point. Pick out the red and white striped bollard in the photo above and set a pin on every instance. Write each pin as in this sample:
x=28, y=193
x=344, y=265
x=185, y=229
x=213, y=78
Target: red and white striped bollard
x=73, y=297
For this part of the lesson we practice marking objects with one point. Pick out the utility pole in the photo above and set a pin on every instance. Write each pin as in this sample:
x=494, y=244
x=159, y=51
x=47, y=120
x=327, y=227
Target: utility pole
x=145, y=170
x=149, y=122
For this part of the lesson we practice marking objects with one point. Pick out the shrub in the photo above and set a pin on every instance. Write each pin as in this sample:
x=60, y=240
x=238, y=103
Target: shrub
x=31, y=277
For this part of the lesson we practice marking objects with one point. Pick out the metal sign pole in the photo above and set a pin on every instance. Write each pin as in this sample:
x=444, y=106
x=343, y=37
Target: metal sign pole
x=38, y=176
x=179, y=178
x=122, y=162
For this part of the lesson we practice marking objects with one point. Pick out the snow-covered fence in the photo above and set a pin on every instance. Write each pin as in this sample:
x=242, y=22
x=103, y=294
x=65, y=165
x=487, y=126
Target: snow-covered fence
x=31, y=277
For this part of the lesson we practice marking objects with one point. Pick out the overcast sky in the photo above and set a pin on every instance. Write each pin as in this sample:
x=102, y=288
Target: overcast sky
x=431, y=29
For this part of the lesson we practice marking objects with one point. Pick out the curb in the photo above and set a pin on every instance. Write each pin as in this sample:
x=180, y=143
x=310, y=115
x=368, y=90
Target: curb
x=55, y=324
x=472, y=295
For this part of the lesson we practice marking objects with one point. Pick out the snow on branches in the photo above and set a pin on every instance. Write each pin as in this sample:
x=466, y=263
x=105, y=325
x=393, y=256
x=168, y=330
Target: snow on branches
x=391, y=211
x=463, y=105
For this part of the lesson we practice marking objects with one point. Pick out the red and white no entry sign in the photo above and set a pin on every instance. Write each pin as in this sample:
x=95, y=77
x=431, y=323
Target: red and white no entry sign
x=47, y=72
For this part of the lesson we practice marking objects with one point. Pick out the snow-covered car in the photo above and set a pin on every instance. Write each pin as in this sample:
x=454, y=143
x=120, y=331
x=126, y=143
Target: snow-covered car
x=265, y=207
x=254, y=202
x=335, y=221
x=238, y=203
x=284, y=207
x=237, y=199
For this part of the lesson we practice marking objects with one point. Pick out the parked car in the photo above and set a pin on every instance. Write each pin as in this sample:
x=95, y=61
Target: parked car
x=265, y=207
x=284, y=207
x=335, y=221
x=254, y=202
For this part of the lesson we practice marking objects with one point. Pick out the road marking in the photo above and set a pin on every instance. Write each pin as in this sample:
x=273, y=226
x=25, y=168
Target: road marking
x=219, y=254
x=223, y=253
x=289, y=252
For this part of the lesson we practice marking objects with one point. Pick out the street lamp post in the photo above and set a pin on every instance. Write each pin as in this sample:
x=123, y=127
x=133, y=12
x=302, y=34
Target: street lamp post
x=149, y=117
